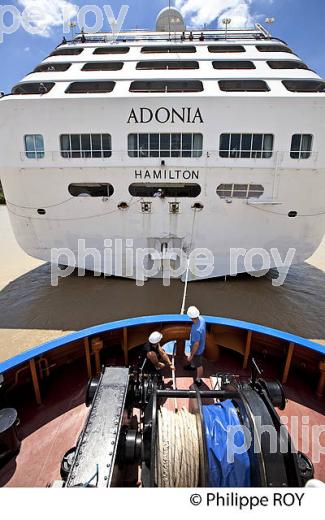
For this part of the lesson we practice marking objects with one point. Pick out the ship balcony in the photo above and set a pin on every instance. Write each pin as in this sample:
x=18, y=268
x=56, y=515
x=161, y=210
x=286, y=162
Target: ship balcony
x=177, y=158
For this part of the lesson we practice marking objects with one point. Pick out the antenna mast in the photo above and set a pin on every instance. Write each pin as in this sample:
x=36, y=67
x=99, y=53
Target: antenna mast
x=169, y=19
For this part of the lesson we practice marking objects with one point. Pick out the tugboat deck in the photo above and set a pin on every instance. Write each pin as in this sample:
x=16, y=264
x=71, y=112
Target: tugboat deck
x=52, y=428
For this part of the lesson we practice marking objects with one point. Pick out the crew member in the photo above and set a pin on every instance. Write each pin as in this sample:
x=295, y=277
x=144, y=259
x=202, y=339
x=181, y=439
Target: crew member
x=197, y=341
x=42, y=89
x=159, y=194
x=156, y=357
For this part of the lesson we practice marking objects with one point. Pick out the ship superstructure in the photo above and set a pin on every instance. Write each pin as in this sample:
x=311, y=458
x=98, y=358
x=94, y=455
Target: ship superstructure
x=166, y=140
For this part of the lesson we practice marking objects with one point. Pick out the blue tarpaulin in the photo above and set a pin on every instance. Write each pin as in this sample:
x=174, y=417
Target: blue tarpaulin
x=169, y=347
x=229, y=464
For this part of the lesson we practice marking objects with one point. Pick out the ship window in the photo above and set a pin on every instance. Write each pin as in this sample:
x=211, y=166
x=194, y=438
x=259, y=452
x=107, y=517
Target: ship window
x=240, y=191
x=246, y=146
x=167, y=65
x=233, y=65
x=165, y=145
x=164, y=190
x=226, y=48
x=273, y=48
x=244, y=85
x=287, y=64
x=85, y=145
x=34, y=146
x=301, y=146
x=33, y=88
x=103, y=65
x=299, y=85
x=90, y=87
x=91, y=189
x=52, y=67
x=111, y=50
x=166, y=86
x=178, y=49
x=73, y=51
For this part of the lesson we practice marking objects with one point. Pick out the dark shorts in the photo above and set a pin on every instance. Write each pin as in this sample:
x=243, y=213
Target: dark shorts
x=197, y=361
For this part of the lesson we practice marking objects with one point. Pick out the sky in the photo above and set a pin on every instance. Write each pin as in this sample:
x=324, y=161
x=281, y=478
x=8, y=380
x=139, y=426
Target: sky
x=299, y=22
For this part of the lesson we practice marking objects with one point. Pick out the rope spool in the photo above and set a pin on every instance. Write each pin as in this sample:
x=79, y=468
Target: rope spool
x=179, y=449
x=182, y=458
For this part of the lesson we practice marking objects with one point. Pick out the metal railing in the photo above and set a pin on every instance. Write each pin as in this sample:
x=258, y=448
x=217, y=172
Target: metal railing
x=207, y=158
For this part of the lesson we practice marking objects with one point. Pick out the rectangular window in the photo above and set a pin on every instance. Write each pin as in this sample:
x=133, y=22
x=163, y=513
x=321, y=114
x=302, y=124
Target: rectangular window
x=24, y=89
x=52, y=67
x=72, y=51
x=34, y=146
x=111, y=50
x=165, y=145
x=164, y=190
x=90, y=87
x=233, y=65
x=166, y=87
x=240, y=191
x=246, y=146
x=273, y=48
x=91, y=189
x=226, y=48
x=177, y=49
x=103, y=65
x=243, y=85
x=286, y=64
x=167, y=65
x=301, y=85
x=301, y=146
x=85, y=145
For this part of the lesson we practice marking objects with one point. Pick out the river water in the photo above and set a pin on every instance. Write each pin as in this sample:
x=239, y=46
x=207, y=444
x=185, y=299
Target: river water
x=32, y=311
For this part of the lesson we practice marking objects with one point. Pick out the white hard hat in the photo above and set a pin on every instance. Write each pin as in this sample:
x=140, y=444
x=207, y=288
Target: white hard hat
x=155, y=337
x=193, y=312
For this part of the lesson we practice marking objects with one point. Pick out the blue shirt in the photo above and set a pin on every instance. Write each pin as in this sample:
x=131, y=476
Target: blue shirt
x=198, y=333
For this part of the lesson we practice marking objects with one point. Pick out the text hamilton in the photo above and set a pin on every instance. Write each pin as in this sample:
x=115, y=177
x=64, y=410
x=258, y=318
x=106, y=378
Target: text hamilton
x=167, y=175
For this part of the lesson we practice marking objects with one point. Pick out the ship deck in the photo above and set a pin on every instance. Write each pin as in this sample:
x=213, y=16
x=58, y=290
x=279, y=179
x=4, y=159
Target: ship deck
x=52, y=428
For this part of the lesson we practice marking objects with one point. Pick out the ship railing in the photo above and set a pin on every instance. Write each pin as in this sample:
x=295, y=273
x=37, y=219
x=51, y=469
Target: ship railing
x=257, y=33
x=197, y=157
x=298, y=159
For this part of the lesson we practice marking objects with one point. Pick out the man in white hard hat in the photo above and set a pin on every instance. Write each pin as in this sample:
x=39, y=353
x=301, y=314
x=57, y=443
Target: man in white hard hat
x=157, y=358
x=197, y=341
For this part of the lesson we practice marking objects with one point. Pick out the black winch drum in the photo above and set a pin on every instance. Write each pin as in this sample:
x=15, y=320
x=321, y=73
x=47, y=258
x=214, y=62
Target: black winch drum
x=9, y=439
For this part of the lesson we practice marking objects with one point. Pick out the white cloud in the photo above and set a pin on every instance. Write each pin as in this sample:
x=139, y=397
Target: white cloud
x=26, y=49
x=200, y=12
x=43, y=15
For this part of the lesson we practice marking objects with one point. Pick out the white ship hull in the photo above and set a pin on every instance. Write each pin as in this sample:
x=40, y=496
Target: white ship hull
x=44, y=215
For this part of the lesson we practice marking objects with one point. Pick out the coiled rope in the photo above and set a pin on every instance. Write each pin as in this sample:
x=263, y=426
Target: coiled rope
x=179, y=449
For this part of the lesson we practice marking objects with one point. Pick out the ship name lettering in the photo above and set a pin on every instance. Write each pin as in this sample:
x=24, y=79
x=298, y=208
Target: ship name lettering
x=167, y=175
x=165, y=115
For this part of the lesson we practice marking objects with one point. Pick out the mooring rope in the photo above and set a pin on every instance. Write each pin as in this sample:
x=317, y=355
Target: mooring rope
x=178, y=449
x=188, y=266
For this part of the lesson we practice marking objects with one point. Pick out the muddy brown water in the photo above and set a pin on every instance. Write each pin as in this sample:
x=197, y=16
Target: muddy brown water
x=32, y=311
